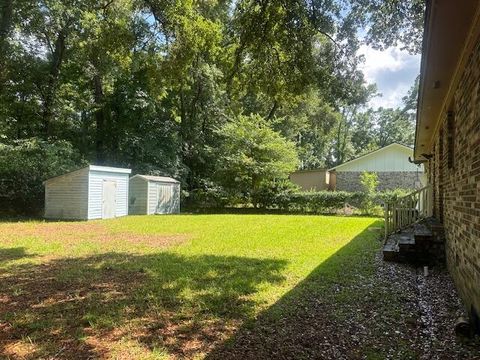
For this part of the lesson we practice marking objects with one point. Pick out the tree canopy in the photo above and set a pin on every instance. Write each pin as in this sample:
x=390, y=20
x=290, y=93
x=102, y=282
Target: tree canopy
x=148, y=83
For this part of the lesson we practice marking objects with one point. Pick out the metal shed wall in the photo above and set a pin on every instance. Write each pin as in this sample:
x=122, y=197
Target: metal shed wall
x=66, y=196
x=95, y=193
x=138, y=203
x=152, y=198
x=157, y=191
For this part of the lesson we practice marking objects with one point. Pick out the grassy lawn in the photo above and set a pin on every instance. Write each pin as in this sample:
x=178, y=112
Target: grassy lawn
x=170, y=286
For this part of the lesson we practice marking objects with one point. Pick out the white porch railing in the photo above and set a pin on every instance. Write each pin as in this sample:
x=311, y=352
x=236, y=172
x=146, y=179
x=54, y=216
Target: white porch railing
x=408, y=210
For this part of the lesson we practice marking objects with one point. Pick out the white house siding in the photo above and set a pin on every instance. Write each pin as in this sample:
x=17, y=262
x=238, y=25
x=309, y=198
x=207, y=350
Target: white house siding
x=138, y=192
x=95, y=193
x=66, y=196
x=388, y=159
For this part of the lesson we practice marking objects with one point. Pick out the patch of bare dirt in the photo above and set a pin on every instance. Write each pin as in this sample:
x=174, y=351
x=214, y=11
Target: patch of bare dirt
x=125, y=306
x=71, y=233
x=44, y=315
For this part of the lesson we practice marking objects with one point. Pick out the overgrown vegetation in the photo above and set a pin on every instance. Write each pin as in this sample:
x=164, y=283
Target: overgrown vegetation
x=157, y=86
x=24, y=164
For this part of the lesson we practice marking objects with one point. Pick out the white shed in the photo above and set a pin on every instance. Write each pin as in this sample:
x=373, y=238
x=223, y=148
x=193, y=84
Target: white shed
x=154, y=195
x=94, y=192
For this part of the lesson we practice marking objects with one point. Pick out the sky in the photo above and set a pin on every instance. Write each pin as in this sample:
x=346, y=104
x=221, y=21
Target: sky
x=394, y=72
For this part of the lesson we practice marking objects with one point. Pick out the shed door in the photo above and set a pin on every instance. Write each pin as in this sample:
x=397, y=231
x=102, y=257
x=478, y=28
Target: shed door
x=109, y=199
x=165, y=198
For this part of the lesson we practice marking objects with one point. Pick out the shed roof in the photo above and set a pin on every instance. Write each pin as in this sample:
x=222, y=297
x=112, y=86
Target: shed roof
x=404, y=147
x=156, y=178
x=109, y=169
x=95, y=168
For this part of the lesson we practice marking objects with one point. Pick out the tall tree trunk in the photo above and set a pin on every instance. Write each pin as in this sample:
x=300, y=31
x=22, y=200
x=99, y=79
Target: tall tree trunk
x=272, y=111
x=51, y=89
x=339, y=156
x=99, y=118
x=6, y=12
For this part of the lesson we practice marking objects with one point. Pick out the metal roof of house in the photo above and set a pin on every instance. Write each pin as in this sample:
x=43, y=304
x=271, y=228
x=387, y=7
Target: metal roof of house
x=157, y=178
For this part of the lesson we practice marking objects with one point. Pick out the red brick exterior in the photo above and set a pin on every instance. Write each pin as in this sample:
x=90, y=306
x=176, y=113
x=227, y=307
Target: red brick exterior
x=454, y=172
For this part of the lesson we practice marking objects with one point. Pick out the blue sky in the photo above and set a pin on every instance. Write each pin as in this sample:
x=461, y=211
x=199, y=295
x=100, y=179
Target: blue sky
x=394, y=72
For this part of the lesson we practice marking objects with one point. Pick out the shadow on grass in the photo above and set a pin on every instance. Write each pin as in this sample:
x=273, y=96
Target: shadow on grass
x=78, y=307
x=339, y=311
x=15, y=253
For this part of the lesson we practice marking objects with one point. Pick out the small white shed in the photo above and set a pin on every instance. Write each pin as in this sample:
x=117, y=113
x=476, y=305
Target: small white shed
x=94, y=192
x=154, y=195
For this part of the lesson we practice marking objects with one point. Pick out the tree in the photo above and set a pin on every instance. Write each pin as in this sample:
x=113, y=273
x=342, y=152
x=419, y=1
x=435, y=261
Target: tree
x=392, y=125
x=24, y=164
x=147, y=83
x=392, y=22
x=252, y=154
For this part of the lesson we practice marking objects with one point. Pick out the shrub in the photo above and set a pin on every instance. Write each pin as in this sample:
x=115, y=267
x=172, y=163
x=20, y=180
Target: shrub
x=24, y=165
x=391, y=195
x=269, y=193
x=317, y=202
x=208, y=195
x=369, y=181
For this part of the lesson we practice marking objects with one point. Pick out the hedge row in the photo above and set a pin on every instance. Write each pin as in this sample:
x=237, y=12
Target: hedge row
x=317, y=202
x=302, y=202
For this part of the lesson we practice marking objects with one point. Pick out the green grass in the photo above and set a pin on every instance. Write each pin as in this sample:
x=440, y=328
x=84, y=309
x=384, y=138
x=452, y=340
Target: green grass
x=112, y=288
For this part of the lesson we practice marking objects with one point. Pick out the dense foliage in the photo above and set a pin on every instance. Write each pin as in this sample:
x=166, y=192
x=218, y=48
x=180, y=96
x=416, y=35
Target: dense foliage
x=252, y=156
x=157, y=85
x=24, y=165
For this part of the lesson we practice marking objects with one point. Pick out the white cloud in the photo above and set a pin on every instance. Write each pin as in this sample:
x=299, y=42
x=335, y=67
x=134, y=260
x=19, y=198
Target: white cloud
x=393, y=70
x=391, y=98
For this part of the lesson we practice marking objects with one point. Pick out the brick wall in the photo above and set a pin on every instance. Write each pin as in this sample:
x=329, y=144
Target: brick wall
x=454, y=172
x=350, y=180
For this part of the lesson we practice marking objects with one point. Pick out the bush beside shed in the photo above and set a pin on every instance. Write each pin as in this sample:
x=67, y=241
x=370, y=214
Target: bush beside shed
x=154, y=195
x=94, y=192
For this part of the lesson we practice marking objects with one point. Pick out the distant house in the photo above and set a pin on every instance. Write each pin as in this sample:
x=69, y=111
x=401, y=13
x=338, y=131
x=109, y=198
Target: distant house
x=391, y=163
x=311, y=180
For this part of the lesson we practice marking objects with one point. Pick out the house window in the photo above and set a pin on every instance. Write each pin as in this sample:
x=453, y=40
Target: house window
x=451, y=139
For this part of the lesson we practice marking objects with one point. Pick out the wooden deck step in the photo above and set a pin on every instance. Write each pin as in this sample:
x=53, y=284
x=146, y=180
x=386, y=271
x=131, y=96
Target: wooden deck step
x=421, y=230
x=390, y=251
x=398, y=246
x=421, y=243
